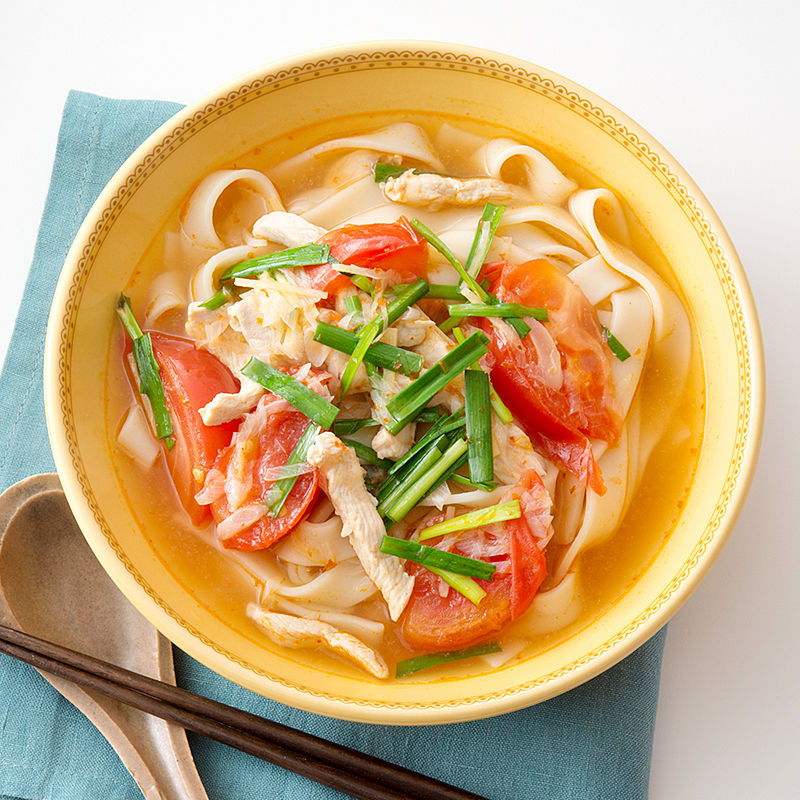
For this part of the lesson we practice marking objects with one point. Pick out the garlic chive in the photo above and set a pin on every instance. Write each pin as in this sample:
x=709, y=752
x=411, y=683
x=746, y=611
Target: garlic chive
x=474, y=519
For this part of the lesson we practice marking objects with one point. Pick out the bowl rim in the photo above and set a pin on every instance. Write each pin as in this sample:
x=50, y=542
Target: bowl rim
x=574, y=674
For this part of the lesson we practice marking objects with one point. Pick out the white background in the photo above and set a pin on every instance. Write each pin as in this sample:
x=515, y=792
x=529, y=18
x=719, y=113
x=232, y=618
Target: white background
x=716, y=82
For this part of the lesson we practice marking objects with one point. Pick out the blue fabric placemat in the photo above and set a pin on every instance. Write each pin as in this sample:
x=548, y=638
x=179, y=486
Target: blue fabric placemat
x=594, y=742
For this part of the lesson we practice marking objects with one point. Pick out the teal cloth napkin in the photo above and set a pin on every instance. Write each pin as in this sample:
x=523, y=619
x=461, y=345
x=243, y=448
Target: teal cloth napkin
x=594, y=742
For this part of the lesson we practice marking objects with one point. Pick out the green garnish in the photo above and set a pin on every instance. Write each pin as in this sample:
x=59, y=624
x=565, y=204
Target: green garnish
x=390, y=492
x=441, y=425
x=373, y=329
x=500, y=408
x=352, y=305
x=505, y=310
x=224, y=295
x=412, y=493
x=385, y=171
x=430, y=556
x=487, y=226
x=362, y=282
x=463, y=584
x=150, y=383
x=347, y=427
x=367, y=454
x=279, y=491
x=426, y=233
x=615, y=345
x=411, y=665
x=484, y=487
x=383, y=355
x=306, y=401
x=474, y=519
x=479, y=426
x=308, y=255
x=407, y=403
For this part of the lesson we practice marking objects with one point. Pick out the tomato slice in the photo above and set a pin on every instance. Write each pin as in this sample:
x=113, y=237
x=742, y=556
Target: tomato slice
x=191, y=379
x=433, y=623
x=264, y=442
x=387, y=246
x=327, y=279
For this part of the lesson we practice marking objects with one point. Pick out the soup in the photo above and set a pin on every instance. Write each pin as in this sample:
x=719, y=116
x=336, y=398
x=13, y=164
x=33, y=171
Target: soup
x=487, y=349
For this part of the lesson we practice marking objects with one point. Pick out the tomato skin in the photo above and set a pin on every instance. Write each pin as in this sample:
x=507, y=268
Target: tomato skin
x=386, y=246
x=327, y=279
x=433, y=623
x=586, y=401
x=528, y=402
x=268, y=449
x=191, y=379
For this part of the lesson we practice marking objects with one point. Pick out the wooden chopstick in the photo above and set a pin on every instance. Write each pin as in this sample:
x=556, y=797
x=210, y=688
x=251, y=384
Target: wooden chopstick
x=342, y=768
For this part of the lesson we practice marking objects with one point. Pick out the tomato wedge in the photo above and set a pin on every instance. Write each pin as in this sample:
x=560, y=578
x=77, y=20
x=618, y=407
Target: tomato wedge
x=433, y=623
x=560, y=419
x=327, y=279
x=386, y=246
x=191, y=378
x=263, y=443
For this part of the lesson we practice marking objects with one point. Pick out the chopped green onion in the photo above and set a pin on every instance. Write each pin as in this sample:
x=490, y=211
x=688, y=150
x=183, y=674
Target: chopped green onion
x=367, y=454
x=424, y=231
x=615, y=345
x=347, y=427
x=279, y=491
x=430, y=414
x=442, y=425
x=430, y=556
x=385, y=171
x=407, y=403
x=308, y=255
x=500, y=408
x=352, y=305
x=427, y=482
x=497, y=310
x=362, y=282
x=487, y=226
x=224, y=295
x=484, y=487
x=463, y=584
x=474, y=519
x=150, y=383
x=382, y=355
x=391, y=490
x=306, y=401
x=411, y=665
x=375, y=327
x=479, y=426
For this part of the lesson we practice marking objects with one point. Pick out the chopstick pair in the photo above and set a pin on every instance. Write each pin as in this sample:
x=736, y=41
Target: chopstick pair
x=342, y=768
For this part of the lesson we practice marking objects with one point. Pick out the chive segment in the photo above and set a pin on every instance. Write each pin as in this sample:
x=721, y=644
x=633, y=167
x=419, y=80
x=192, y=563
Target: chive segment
x=347, y=427
x=390, y=493
x=307, y=255
x=306, y=401
x=487, y=227
x=474, y=519
x=411, y=665
x=375, y=327
x=425, y=555
x=217, y=300
x=451, y=459
x=479, y=426
x=505, y=310
x=383, y=355
x=150, y=383
x=385, y=171
x=407, y=403
x=615, y=345
x=426, y=233
x=463, y=584
x=443, y=425
x=367, y=454
x=279, y=491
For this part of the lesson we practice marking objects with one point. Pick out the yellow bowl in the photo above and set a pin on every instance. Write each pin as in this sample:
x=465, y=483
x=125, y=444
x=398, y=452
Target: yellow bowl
x=431, y=78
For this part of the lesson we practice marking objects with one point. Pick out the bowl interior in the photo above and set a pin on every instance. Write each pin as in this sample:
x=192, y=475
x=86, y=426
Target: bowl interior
x=307, y=97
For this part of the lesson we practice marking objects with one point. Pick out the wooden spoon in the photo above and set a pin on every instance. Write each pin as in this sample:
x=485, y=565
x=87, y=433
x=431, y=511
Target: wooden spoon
x=52, y=586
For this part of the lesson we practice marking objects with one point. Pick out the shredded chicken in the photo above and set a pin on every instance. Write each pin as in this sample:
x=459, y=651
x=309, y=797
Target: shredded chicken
x=434, y=191
x=342, y=480
x=290, y=230
x=290, y=631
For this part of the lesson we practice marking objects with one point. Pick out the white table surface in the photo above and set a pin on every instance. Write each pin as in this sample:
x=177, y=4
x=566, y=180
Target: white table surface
x=714, y=81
